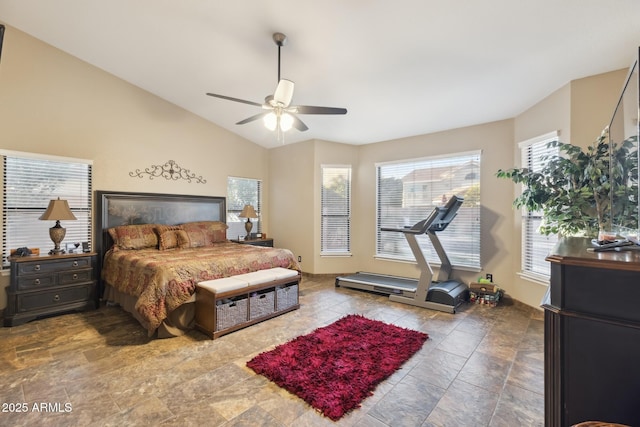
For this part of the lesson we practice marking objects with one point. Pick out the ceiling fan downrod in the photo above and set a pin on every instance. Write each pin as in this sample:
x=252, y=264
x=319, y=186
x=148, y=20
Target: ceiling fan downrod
x=280, y=40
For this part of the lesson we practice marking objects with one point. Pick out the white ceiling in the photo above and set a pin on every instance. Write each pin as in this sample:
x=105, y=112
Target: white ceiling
x=401, y=68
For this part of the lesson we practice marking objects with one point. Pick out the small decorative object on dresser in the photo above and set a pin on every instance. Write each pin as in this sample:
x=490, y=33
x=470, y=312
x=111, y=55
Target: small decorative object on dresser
x=46, y=285
x=255, y=242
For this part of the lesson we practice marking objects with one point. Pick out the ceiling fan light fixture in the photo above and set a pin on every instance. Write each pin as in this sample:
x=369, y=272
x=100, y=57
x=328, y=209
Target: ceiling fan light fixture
x=270, y=121
x=286, y=122
x=284, y=93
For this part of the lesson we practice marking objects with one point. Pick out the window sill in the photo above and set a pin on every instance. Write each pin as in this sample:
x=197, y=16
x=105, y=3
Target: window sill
x=535, y=278
x=335, y=255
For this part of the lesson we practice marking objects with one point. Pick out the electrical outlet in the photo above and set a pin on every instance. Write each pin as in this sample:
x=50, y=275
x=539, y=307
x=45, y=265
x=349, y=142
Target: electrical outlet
x=490, y=277
x=299, y=258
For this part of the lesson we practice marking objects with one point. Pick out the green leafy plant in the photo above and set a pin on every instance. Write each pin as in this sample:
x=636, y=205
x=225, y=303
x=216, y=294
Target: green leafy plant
x=573, y=191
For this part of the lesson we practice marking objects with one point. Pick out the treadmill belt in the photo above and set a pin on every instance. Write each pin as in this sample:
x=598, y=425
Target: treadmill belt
x=381, y=280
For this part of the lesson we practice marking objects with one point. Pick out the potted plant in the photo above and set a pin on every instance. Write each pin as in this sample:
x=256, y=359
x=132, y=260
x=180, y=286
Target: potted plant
x=573, y=191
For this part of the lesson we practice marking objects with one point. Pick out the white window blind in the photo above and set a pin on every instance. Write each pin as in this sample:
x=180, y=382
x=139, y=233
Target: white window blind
x=535, y=246
x=30, y=182
x=336, y=210
x=408, y=191
x=240, y=192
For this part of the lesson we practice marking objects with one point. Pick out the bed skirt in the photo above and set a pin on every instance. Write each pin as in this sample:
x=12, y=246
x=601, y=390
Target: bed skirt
x=178, y=322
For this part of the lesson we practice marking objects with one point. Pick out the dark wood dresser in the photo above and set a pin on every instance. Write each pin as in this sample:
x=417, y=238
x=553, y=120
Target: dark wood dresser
x=51, y=284
x=592, y=335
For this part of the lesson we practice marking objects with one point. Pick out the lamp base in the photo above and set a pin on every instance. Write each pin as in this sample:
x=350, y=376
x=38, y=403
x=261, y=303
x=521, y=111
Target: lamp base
x=248, y=226
x=57, y=234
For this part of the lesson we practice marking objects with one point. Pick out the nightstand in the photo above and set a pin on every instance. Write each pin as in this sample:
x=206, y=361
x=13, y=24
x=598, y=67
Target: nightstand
x=51, y=284
x=255, y=242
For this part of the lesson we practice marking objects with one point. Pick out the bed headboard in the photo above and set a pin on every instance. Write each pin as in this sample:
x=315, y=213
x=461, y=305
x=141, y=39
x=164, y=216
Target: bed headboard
x=115, y=208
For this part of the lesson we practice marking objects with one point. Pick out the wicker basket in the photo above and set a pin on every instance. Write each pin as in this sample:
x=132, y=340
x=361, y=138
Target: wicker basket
x=231, y=312
x=287, y=296
x=261, y=303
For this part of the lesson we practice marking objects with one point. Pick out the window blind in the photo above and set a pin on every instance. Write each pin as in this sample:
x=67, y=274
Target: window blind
x=240, y=192
x=408, y=191
x=30, y=182
x=336, y=210
x=535, y=246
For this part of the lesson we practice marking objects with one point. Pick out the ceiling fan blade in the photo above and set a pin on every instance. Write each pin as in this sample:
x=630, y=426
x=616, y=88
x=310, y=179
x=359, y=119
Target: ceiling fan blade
x=310, y=109
x=253, y=118
x=284, y=92
x=228, y=98
x=298, y=124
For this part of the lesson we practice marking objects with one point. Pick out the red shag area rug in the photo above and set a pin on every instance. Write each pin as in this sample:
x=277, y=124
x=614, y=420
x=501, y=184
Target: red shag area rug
x=336, y=367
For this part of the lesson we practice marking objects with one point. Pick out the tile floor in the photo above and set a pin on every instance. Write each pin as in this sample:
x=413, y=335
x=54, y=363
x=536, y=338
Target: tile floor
x=482, y=366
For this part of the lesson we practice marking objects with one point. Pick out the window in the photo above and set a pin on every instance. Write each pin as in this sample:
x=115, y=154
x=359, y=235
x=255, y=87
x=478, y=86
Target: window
x=240, y=192
x=535, y=246
x=408, y=191
x=30, y=182
x=335, y=228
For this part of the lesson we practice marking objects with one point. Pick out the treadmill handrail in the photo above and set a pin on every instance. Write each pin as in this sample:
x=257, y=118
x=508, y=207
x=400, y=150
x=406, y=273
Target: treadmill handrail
x=438, y=220
x=420, y=227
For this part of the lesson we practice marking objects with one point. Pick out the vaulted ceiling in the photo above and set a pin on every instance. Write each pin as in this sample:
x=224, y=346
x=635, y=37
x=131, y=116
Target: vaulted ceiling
x=401, y=68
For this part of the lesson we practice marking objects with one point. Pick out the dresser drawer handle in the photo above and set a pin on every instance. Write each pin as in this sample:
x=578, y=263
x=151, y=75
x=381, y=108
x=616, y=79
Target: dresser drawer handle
x=36, y=282
x=37, y=267
x=56, y=298
x=75, y=263
x=75, y=277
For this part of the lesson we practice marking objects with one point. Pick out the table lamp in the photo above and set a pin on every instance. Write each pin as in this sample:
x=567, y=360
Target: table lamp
x=57, y=210
x=248, y=212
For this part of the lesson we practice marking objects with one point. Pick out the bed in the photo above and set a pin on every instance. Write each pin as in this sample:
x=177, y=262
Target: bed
x=154, y=249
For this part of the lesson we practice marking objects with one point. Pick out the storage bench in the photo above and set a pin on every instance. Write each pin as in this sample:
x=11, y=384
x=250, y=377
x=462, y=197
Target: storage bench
x=230, y=303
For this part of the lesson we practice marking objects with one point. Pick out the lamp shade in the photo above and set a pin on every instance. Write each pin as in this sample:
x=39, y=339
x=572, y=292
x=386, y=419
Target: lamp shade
x=58, y=210
x=248, y=212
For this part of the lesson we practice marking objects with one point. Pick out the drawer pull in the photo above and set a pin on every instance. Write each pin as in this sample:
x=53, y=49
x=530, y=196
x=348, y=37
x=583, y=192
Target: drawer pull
x=37, y=267
x=36, y=282
x=75, y=277
x=75, y=263
x=56, y=298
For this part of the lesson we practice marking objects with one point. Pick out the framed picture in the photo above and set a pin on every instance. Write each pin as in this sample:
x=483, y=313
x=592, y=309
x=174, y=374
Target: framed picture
x=73, y=248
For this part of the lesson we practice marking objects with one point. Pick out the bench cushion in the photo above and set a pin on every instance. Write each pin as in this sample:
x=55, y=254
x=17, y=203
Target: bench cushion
x=283, y=273
x=224, y=284
x=240, y=281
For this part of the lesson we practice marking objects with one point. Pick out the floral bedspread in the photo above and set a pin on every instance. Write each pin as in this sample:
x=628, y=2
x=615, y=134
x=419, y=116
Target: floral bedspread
x=163, y=280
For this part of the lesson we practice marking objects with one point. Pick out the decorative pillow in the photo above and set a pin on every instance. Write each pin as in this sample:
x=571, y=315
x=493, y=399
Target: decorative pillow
x=205, y=233
x=168, y=237
x=139, y=236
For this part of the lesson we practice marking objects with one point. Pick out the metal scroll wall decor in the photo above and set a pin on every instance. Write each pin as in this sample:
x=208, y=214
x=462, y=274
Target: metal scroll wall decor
x=169, y=170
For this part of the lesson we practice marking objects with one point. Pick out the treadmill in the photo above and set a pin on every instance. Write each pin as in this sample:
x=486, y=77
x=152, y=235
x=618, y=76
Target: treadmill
x=443, y=294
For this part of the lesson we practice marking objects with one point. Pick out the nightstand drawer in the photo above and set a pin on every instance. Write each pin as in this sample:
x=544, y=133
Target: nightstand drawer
x=265, y=242
x=78, y=276
x=32, y=267
x=35, y=281
x=53, y=298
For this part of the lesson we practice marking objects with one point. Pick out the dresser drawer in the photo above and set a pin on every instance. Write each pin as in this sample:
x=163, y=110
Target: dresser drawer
x=35, y=281
x=57, y=297
x=34, y=267
x=74, y=276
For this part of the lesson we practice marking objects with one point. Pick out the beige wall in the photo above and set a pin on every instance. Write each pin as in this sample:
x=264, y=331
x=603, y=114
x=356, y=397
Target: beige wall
x=53, y=103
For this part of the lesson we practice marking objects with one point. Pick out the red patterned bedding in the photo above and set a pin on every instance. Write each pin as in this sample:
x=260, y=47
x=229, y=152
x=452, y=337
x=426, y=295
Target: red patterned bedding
x=163, y=280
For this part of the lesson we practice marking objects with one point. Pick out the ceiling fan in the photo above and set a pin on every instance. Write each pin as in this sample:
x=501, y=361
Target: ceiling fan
x=279, y=114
